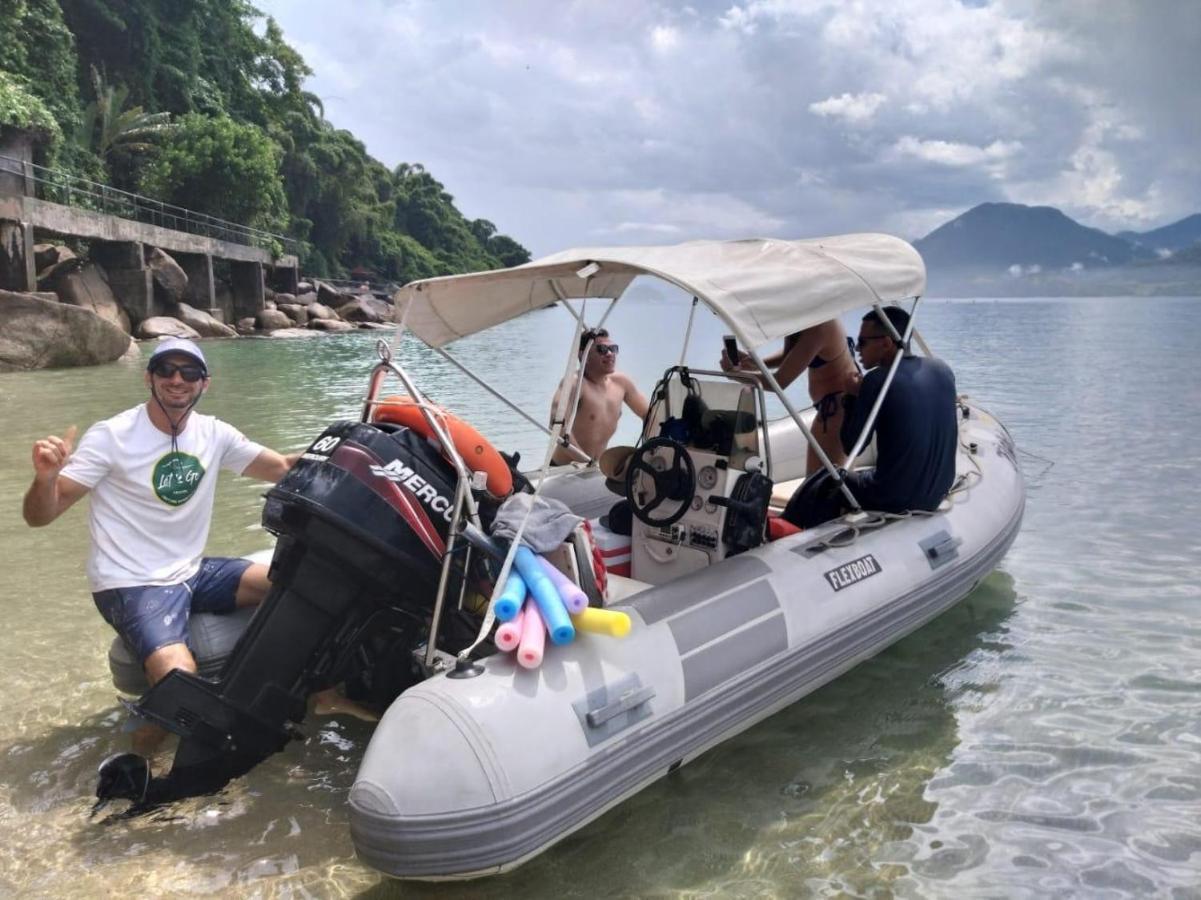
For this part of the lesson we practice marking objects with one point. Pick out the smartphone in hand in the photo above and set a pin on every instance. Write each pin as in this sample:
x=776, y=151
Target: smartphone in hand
x=732, y=349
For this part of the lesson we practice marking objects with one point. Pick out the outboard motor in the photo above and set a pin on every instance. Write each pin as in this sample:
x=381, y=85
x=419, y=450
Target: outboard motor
x=362, y=521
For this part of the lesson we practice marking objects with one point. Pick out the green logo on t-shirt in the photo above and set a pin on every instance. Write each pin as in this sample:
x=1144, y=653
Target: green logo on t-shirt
x=176, y=477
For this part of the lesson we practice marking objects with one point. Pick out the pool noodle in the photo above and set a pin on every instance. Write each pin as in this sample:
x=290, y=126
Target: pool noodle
x=533, y=637
x=508, y=635
x=550, y=604
x=573, y=598
x=602, y=621
x=508, y=604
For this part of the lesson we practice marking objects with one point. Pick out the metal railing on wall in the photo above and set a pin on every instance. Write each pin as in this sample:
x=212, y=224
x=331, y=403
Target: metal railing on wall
x=57, y=186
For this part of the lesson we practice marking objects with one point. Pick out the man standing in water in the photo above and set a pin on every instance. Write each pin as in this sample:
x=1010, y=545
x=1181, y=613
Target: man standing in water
x=150, y=473
x=602, y=392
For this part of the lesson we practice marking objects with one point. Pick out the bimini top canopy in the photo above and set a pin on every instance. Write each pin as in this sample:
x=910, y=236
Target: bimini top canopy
x=762, y=289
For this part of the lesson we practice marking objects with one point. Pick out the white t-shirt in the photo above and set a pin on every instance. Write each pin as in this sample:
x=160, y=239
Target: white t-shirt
x=151, y=508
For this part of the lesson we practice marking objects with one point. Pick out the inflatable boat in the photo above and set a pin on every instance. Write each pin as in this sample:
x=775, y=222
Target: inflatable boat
x=479, y=762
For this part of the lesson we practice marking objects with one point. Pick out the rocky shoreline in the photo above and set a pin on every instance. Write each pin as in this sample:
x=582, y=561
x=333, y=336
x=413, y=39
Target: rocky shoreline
x=76, y=317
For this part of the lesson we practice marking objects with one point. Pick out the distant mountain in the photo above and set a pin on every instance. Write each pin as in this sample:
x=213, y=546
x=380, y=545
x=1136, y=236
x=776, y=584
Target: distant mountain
x=995, y=237
x=1010, y=250
x=1176, y=236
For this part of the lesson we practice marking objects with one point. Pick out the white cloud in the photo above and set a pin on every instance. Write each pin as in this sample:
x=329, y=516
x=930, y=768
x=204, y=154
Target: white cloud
x=853, y=108
x=951, y=153
x=664, y=38
x=560, y=122
x=649, y=227
x=1093, y=182
x=689, y=215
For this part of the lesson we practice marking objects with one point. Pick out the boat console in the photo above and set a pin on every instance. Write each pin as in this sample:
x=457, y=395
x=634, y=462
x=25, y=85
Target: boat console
x=696, y=486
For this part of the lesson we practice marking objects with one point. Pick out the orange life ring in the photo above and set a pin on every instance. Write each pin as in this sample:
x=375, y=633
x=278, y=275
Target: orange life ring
x=477, y=453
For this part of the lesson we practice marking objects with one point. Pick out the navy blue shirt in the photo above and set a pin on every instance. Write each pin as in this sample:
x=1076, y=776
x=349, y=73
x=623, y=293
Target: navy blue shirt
x=917, y=431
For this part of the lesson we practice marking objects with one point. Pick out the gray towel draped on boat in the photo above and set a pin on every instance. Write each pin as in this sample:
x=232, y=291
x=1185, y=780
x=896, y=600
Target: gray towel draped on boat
x=549, y=524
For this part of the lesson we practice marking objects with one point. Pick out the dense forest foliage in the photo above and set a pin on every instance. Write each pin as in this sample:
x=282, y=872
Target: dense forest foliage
x=201, y=104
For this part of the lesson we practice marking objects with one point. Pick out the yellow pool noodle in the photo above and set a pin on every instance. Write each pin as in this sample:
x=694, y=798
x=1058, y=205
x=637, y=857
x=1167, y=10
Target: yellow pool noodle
x=602, y=621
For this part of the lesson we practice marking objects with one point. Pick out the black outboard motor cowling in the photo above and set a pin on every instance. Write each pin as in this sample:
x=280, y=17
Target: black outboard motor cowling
x=362, y=521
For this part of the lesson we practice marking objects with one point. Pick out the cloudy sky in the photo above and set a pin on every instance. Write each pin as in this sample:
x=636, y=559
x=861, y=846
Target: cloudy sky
x=571, y=123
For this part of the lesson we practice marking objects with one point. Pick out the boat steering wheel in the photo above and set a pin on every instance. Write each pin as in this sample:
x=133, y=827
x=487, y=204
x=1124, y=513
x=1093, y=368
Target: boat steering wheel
x=676, y=482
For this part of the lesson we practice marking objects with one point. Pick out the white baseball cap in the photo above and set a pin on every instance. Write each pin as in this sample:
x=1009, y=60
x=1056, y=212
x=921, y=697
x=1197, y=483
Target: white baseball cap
x=178, y=345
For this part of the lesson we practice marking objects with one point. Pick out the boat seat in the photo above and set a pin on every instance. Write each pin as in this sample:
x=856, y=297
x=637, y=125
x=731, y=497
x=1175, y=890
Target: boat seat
x=778, y=527
x=622, y=588
x=782, y=492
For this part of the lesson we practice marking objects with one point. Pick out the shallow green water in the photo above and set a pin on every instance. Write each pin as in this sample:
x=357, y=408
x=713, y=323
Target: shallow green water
x=1042, y=738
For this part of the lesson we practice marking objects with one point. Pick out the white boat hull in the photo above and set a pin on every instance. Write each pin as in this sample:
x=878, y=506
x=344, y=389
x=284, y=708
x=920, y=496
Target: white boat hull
x=467, y=777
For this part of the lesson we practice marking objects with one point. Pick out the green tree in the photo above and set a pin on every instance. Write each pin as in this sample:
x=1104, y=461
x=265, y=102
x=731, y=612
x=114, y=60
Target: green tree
x=37, y=52
x=215, y=165
x=252, y=144
x=20, y=108
x=110, y=128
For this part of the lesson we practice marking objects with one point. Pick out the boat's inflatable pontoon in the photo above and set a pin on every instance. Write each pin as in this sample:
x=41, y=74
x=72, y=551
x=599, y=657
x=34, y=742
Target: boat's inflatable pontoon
x=470, y=777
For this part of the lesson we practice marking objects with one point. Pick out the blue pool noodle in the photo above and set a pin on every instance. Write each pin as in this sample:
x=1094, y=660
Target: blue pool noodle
x=542, y=589
x=508, y=604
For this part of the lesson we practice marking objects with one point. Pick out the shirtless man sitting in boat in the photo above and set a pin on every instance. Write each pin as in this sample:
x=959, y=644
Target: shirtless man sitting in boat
x=602, y=392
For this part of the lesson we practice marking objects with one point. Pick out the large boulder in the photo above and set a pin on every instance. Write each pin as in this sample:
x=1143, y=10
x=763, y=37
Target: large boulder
x=48, y=255
x=202, y=323
x=165, y=326
x=245, y=325
x=330, y=325
x=330, y=296
x=304, y=287
x=295, y=312
x=320, y=311
x=48, y=276
x=170, y=280
x=84, y=284
x=376, y=326
x=36, y=333
x=272, y=320
x=365, y=309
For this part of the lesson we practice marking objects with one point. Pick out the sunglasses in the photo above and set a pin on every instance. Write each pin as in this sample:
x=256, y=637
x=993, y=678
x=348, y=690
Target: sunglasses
x=606, y=349
x=871, y=337
x=189, y=373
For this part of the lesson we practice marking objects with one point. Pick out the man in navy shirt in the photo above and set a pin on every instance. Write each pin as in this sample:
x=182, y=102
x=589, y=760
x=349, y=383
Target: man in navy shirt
x=916, y=429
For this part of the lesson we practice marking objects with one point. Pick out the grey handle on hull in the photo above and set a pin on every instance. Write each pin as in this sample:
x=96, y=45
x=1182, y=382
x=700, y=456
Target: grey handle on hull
x=627, y=701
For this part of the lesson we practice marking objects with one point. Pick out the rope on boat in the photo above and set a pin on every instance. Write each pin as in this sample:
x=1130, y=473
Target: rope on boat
x=1048, y=463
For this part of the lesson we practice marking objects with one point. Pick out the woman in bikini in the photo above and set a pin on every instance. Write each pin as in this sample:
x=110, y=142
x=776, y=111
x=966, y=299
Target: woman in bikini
x=824, y=351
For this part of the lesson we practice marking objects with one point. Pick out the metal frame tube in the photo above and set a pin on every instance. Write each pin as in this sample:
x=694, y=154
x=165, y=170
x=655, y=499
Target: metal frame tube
x=377, y=375
x=431, y=644
x=861, y=441
x=688, y=330
x=796, y=417
x=497, y=394
x=507, y=565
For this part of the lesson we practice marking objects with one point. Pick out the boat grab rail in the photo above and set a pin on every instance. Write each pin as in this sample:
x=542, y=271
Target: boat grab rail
x=463, y=499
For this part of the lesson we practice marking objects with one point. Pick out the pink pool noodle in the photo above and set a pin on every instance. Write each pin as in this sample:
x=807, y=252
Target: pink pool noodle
x=573, y=598
x=533, y=636
x=508, y=635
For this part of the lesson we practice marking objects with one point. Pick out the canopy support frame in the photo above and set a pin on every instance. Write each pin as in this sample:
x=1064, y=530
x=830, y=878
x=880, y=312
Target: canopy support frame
x=870, y=423
x=445, y=354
